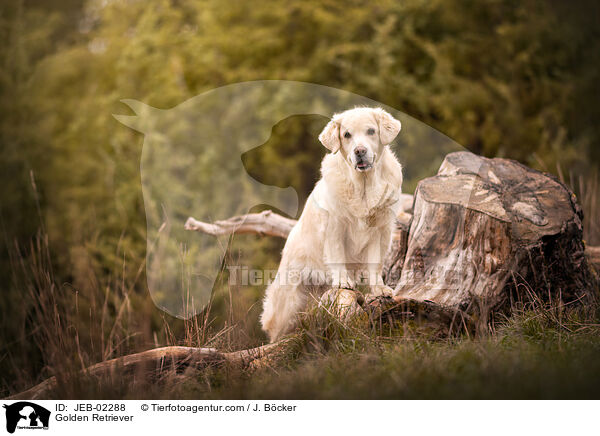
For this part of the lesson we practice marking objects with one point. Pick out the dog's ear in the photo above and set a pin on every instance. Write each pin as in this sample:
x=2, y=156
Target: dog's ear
x=389, y=127
x=330, y=136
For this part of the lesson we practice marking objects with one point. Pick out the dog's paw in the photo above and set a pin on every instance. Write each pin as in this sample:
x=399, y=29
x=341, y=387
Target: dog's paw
x=345, y=302
x=379, y=291
x=347, y=284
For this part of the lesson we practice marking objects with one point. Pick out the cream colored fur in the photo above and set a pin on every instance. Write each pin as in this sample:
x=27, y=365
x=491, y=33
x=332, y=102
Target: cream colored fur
x=347, y=222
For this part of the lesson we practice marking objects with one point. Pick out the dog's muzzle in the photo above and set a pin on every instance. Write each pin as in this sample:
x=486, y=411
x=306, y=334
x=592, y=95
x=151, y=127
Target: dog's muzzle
x=363, y=165
x=361, y=159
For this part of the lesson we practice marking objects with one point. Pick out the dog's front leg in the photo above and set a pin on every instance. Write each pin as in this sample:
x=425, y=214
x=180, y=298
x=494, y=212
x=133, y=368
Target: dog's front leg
x=335, y=254
x=376, y=252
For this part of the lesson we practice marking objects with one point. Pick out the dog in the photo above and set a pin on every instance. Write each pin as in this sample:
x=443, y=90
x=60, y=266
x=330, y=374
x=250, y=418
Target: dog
x=347, y=220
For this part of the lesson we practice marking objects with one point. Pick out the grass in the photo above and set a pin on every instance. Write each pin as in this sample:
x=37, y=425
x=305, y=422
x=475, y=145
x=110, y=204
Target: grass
x=543, y=350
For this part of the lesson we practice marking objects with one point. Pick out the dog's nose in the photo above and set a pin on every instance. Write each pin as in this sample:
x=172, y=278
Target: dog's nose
x=360, y=151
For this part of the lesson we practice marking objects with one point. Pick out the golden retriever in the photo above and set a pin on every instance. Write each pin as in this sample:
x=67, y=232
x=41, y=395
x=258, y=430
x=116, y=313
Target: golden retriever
x=345, y=229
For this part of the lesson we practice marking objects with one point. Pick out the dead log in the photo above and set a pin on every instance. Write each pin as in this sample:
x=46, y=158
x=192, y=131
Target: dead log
x=486, y=231
x=442, y=321
x=384, y=311
x=158, y=361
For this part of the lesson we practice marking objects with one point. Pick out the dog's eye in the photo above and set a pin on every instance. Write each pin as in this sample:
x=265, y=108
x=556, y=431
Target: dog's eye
x=347, y=135
x=371, y=131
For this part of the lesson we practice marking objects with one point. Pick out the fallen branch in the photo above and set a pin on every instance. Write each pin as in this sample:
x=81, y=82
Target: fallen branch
x=159, y=359
x=447, y=321
x=263, y=223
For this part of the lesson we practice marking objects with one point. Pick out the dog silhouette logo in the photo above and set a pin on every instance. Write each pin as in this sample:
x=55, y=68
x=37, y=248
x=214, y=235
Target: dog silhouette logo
x=191, y=166
x=26, y=415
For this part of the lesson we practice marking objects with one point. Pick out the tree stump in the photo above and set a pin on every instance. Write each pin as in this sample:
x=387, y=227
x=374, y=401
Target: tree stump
x=488, y=231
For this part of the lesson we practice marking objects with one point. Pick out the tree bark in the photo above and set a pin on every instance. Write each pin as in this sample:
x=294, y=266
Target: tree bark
x=394, y=261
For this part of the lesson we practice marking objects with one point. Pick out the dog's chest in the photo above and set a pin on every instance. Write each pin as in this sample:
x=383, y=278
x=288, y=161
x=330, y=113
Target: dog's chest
x=359, y=234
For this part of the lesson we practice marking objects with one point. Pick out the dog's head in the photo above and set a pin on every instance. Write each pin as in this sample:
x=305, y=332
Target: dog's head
x=360, y=135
